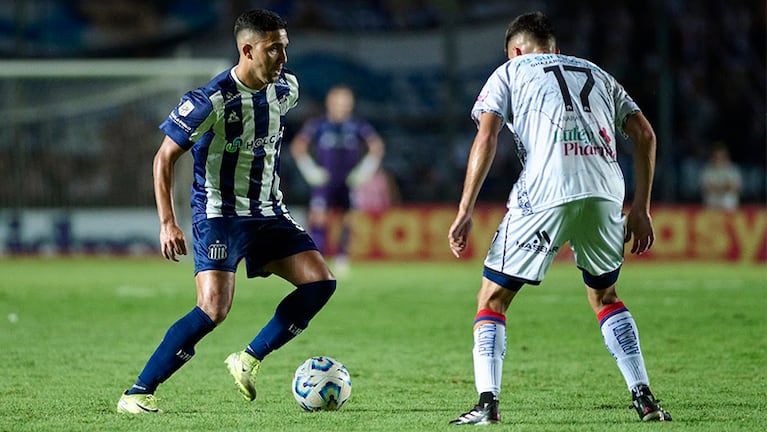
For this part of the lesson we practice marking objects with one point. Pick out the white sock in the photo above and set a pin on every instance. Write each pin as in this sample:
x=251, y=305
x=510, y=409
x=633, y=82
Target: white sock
x=489, y=351
x=622, y=340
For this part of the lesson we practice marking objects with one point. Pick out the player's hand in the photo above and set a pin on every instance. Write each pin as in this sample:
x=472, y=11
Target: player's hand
x=639, y=226
x=317, y=177
x=172, y=242
x=314, y=174
x=459, y=234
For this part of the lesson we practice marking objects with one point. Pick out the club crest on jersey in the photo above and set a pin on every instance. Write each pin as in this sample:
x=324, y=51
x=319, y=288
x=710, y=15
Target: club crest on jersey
x=185, y=108
x=217, y=251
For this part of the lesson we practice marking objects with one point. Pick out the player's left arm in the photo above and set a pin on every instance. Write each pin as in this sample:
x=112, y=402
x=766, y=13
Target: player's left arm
x=480, y=160
x=639, y=223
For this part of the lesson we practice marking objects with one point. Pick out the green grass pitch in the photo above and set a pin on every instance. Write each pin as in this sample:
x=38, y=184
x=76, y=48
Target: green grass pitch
x=74, y=333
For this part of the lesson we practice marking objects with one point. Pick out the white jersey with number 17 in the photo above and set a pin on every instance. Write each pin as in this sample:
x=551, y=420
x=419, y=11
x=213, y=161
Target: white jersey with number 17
x=563, y=112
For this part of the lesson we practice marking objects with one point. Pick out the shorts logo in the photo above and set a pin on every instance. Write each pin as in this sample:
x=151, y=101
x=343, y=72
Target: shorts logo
x=539, y=245
x=217, y=251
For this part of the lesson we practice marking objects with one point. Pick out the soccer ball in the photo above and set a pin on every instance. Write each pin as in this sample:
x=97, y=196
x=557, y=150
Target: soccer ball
x=322, y=383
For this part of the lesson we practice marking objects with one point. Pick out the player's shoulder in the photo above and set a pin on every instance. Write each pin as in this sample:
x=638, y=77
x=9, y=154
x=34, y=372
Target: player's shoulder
x=223, y=83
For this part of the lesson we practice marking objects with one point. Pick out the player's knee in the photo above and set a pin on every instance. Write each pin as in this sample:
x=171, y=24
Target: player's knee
x=216, y=313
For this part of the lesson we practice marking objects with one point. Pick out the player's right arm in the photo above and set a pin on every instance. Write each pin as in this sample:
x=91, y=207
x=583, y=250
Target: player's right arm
x=480, y=160
x=639, y=223
x=172, y=241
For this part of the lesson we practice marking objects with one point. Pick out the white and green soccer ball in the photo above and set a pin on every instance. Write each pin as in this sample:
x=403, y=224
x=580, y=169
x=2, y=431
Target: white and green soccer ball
x=322, y=383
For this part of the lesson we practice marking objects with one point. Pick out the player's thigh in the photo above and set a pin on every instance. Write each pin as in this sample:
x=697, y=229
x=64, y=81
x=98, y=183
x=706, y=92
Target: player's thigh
x=597, y=240
x=284, y=248
x=215, y=292
x=524, y=246
x=301, y=268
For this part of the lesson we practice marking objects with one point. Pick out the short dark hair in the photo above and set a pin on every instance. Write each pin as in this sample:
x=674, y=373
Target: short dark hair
x=536, y=24
x=259, y=20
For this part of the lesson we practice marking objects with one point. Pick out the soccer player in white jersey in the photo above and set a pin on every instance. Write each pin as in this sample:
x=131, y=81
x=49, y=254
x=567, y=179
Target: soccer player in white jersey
x=233, y=127
x=563, y=113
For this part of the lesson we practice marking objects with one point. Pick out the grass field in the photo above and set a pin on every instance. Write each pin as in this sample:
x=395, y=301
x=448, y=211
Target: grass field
x=74, y=333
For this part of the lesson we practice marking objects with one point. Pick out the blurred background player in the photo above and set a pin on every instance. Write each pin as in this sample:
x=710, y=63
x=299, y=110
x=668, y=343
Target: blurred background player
x=721, y=180
x=233, y=127
x=336, y=153
x=564, y=113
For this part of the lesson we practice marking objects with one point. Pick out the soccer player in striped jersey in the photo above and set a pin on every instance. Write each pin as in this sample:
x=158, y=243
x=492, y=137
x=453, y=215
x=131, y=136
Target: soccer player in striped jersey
x=233, y=127
x=563, y=113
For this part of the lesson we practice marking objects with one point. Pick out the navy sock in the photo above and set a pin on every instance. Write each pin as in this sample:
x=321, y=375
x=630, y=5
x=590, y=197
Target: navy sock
x=176, y=348
x=291, y=317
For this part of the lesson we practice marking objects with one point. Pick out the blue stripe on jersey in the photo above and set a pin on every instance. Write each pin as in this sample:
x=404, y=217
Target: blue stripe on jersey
x=200, y=153
x=256, y=168
x=260, y=129
x=233, y=132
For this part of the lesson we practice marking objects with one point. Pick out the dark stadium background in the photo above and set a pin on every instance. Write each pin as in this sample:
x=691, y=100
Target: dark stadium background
x=696, y=68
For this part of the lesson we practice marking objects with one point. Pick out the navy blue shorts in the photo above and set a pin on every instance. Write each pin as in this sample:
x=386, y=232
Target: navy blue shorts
x=220, y=243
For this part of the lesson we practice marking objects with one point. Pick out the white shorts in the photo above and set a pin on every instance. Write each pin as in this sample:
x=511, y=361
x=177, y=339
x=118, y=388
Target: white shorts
x=525, y=246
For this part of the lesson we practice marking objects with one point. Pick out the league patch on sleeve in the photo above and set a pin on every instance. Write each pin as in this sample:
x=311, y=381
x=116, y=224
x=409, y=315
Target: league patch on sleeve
x=185, y=108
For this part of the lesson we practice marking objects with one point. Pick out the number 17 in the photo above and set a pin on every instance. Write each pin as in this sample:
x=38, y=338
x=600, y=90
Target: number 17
x=587, y=86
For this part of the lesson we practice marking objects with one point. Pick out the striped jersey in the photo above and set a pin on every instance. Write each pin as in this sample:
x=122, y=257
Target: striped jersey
x=563, y=113
x=235, y=134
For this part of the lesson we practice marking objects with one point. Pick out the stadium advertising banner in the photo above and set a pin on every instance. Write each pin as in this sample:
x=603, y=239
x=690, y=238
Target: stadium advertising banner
x=401, y=234
x=682, y=233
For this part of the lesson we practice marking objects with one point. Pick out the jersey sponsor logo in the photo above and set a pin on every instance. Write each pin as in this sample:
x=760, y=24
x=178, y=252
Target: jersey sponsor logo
x=217, y=251
x=185, y=108
x=235, y=145
x=541, y=244
x=578, y=141
x=605, y=135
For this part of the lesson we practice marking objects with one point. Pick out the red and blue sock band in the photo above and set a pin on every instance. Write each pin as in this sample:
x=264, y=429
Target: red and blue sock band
x=610, y=310
x=486, y=316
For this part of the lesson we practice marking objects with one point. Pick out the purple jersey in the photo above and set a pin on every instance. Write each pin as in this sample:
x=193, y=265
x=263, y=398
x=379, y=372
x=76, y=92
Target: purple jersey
x=338, y=147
